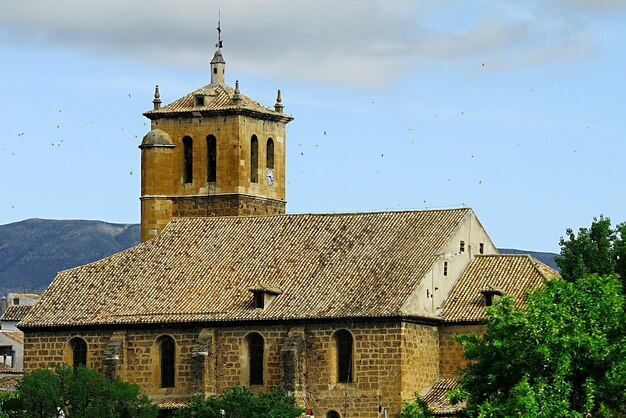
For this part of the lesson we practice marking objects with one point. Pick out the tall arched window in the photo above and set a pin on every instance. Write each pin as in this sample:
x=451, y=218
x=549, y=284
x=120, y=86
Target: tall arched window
x=187, y=160
x=79, y=352
x=343, y=344
x=270, y=153
x=211, y=169
x=167, y=358
x=254, y=159
x=255, y=358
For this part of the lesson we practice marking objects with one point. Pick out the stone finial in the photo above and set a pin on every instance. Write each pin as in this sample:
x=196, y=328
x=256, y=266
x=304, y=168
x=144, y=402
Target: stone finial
x=157, y=98
x=237, y=95
x=279, y=106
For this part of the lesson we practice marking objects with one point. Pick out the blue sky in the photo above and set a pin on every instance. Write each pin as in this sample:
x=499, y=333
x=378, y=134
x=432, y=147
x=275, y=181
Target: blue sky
x=515, y=109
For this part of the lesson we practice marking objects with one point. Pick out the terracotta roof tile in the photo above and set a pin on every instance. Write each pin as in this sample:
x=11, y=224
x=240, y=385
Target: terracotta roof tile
x=201, y=269
x=436, y=397
x=170, y=402
x=511, y=274
x=218, y=97
x=15, y=313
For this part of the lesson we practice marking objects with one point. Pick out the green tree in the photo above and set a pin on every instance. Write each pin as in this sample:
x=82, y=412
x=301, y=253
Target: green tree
x=77, y=393
x=600, y=249
x=415, y=408
x=564, y=355
x=242, y=403
x=6, y=397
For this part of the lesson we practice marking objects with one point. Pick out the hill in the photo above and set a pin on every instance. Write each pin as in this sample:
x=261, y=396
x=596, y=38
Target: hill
x=34, y=250
x=545, y=258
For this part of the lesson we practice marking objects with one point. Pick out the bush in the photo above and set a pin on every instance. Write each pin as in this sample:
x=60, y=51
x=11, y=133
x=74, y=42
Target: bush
x=242, y=403
x=77, y=393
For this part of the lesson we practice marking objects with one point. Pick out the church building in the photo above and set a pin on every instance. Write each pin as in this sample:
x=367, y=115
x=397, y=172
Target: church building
x=351, y=313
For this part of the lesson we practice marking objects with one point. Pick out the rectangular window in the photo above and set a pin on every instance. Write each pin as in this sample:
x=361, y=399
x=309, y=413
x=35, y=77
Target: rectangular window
x=16, y=301
x=445, y=268
x=462, y=247
x=481, y=248
x=259, y=300
x=199, y=101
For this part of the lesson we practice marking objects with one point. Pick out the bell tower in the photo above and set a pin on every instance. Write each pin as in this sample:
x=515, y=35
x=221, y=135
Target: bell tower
x=213, y=152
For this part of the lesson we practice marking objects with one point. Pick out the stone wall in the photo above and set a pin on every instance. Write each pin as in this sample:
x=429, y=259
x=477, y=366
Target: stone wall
x=451, y=352
x=226, y=205
x=391, y=360
x=420, y=358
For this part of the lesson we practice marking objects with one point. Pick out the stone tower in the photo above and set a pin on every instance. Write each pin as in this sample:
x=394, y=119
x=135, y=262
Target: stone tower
x=213, y=152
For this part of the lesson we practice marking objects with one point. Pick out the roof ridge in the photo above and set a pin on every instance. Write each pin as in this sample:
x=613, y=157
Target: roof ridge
x=374, y=212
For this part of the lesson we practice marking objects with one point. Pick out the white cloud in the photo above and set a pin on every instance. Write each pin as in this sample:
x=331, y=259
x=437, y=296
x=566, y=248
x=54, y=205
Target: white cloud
x=361, y=42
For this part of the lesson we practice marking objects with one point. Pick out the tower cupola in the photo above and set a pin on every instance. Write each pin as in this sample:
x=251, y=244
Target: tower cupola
x=217, y=68
x=217, y=63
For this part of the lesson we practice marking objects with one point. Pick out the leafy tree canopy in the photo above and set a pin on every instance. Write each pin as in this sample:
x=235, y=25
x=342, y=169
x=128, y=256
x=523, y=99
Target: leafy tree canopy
x=415, y=408
x=600, y=249
x=241, y=403
x=564, y=355
x=76, y=393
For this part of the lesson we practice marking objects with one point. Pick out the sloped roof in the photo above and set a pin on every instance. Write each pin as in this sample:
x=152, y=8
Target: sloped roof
x=436, y=397
x=201, y=269
x=510, y=274
x=17, y=336
x=218, y=98
x=15, y=313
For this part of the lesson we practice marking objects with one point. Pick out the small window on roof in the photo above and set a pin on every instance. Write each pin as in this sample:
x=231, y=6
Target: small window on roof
x=16, y=301
x=199, y=100
x=259, y=300
x=491, y=294
x=481, y=248
x=462, y=247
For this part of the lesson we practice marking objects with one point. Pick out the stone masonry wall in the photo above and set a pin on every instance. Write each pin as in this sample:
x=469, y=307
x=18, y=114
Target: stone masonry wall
x=451, y=352
x=226, y=205
x=420, y=358
x=391, y=360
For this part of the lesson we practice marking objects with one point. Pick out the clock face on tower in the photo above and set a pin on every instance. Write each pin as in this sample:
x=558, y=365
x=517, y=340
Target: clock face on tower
x=269, y=177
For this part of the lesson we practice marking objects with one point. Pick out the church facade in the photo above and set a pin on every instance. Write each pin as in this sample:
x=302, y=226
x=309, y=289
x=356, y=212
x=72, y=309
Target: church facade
x=351, y=313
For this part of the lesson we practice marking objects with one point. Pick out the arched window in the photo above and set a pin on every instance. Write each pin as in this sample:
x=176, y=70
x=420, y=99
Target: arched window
x=167, y=358
x=254, y=159
x=332, y=414
x=343, y=344
x=255, y=358
x=187, y=160
x=79, y=352
x=211, y=170
x=270, y=153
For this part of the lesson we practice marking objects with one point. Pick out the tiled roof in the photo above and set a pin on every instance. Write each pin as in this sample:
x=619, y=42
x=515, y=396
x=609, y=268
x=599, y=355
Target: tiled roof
x=9, y=379
x=17, y=336
x=510, y=274
x=15, y=313
x=218, y=97
x=436, y=397
x=201, y=269
x=170, y=402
